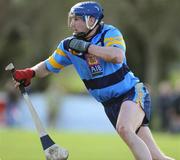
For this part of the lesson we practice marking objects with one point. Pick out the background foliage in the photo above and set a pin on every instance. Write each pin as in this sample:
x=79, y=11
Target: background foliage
x=30, y=31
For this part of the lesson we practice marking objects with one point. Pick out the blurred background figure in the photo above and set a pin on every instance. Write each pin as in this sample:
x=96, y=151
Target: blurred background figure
x=54, y=96
x=2, y=109
x=169, y=107
x=11, y=107
x=175, y=115
x=165, y=103
x=175, y=111
x=9, y=111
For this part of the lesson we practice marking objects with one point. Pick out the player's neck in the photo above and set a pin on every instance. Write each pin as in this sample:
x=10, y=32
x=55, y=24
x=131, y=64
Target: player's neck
x=93, y=32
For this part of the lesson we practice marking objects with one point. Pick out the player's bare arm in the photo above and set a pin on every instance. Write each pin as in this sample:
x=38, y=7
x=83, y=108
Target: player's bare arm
x=109, y=54
x=40, y=70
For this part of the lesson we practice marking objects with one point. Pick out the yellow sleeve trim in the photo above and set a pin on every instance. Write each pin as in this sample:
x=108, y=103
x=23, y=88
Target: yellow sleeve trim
x=113, y=38
x=60, y=52
x=116, y=42
x=54, y=63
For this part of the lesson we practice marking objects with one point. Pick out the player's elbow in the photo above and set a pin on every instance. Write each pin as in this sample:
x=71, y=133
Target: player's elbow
x=117, y=57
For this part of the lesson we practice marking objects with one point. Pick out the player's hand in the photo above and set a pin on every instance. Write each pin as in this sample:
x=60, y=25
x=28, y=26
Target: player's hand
x=77, y=45
x=23, y=77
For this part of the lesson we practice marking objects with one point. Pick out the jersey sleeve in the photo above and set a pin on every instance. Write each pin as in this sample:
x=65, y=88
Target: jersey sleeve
x=58, y=60
x=114, y=38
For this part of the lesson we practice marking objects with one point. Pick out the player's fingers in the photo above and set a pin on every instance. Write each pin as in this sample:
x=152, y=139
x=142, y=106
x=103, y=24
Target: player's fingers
x=16, y=84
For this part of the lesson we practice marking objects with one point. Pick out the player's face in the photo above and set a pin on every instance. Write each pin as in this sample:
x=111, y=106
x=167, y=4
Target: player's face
x=77, y=24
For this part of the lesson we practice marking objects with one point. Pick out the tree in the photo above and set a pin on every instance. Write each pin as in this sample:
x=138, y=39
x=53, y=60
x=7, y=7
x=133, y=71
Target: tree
x=150, y=27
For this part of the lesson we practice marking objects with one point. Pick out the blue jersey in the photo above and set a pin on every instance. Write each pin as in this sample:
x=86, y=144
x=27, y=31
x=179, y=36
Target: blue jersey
x=104, y=80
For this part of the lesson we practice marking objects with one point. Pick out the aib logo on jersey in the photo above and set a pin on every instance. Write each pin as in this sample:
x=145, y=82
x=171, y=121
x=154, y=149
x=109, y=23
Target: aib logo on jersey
x=94, y=65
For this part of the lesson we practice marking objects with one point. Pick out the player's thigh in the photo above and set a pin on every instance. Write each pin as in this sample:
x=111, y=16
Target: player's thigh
x=131, y=115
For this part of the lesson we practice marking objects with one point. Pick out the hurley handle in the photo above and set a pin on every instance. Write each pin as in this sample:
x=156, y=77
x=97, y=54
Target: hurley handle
x=10, y=67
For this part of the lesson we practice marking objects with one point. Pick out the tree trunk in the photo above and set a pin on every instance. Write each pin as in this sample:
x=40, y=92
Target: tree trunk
x=152, y=69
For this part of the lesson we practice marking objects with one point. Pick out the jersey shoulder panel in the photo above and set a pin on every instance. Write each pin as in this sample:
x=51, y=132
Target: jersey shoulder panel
x=114, y=37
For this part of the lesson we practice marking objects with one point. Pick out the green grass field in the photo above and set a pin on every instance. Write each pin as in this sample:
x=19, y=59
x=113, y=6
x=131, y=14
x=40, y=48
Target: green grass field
x=23, y=145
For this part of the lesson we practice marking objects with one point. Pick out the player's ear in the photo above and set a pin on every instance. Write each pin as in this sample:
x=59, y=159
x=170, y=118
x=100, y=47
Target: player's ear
x=91, y=21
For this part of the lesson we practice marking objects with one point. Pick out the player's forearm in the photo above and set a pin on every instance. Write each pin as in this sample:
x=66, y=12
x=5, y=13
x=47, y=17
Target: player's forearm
x=109, y=54
x=40, y=70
